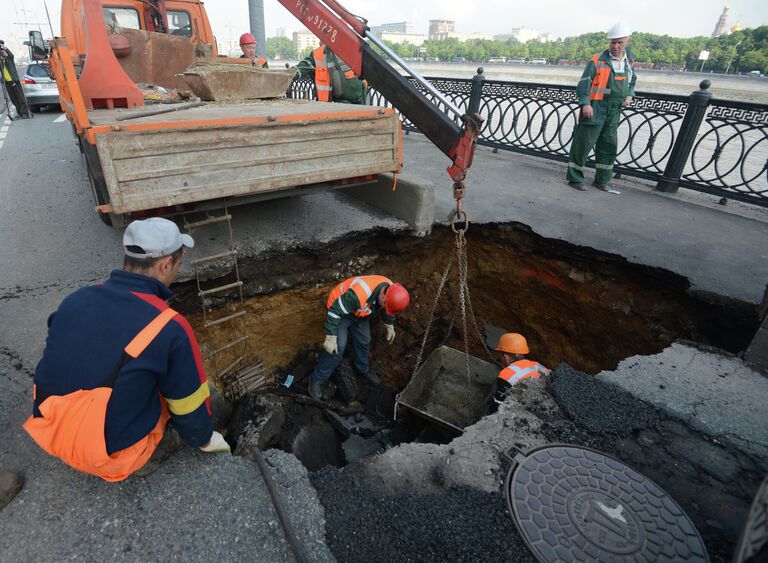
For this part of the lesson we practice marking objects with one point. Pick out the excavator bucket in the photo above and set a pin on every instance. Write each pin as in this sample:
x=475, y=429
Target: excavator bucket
x=227, y=82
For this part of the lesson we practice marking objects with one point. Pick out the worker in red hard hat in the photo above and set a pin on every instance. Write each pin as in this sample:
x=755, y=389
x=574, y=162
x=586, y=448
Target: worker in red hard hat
x=351, y=305
x=248, y=46
x=514, y=349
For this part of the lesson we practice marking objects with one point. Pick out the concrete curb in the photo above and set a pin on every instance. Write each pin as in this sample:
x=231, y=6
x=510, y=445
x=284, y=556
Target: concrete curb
x=413, y=200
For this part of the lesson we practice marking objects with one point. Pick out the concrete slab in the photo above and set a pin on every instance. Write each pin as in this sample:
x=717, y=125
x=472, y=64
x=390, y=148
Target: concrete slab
x=412, y=199
x=719, y=395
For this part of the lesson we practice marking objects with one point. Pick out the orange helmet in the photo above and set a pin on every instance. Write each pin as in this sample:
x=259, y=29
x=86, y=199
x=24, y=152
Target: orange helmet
x=247, y=39
x=512, y=343
x=397, y=299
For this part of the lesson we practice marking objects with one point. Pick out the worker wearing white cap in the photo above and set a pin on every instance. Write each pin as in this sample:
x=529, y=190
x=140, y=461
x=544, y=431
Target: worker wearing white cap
x=121, y=382
x=606, y=86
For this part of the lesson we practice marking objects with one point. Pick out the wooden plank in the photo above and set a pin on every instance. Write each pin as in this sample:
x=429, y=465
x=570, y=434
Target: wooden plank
x=278, y=157
x=213, y=110
x=128, y=144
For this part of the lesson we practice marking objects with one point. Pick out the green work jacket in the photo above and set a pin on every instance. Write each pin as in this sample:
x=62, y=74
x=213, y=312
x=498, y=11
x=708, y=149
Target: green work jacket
x=600, y=107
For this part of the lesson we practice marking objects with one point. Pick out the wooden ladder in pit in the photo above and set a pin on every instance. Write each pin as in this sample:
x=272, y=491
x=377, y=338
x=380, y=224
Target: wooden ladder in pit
x=209, y=292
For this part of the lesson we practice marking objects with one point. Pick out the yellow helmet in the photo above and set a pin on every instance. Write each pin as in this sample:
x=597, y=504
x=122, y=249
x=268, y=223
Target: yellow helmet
x=512, y=343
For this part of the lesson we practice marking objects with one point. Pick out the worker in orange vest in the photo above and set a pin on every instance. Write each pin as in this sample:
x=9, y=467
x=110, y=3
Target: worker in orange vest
x=334, y=80
x=606, y=87
x=119, y=365
x=248, y=46
x=351, y=305
x=514, y=348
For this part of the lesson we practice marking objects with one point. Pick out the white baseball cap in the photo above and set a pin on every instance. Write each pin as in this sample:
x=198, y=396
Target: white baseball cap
x=156, y=237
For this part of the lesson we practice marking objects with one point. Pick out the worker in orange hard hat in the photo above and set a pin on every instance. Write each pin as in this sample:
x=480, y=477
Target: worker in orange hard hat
x=514, y=349
x=248, y=46
x=351, y=304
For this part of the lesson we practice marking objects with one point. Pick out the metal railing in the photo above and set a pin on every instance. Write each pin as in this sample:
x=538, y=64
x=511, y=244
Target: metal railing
x=714, y=146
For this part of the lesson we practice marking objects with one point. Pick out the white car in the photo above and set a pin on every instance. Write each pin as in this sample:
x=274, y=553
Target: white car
x=39, y=88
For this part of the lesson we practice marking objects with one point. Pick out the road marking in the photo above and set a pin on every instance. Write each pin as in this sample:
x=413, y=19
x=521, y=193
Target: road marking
x=62, y=117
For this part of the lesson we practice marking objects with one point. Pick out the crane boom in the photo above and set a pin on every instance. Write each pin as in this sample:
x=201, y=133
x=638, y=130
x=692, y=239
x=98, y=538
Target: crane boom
x=345, y=33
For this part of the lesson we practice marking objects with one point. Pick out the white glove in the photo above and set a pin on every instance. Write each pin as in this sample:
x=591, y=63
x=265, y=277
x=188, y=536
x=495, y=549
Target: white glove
x=217, y=443
x=330, y=345
x=390, y=333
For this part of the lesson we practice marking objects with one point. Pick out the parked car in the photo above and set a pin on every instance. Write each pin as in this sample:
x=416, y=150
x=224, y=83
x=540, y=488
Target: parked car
x=39, y=88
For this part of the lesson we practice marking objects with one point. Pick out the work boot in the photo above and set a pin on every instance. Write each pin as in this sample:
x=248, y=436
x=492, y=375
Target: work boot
x=315, y=390
x=577, y=186
x=601, y=187
x=10, y=485
x=372, y=376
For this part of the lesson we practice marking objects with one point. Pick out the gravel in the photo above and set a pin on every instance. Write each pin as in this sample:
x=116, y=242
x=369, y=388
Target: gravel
x=461, y=524
x=600, y=408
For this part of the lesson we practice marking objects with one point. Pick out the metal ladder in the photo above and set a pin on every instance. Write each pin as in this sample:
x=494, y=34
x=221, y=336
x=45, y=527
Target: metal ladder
x=205, y=291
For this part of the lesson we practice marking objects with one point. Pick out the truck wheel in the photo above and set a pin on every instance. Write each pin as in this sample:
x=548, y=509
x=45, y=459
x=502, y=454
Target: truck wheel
x=117, y=220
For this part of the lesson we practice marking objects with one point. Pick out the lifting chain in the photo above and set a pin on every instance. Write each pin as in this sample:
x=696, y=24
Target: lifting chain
x=465, y=301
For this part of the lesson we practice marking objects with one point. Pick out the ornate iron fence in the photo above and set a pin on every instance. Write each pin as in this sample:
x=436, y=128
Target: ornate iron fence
x=721, y=149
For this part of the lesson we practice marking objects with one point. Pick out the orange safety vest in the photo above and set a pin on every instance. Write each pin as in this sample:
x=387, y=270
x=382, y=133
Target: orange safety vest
x=603, y=69
x=363, y=286
x=522, y=369
x=322, y=75
x=72, y=426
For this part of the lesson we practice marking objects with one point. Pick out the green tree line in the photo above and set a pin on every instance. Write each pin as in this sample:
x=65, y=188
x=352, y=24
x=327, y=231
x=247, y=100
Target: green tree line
x=741, y=51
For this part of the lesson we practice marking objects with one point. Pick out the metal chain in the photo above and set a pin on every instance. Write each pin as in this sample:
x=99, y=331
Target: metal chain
x=461, y=254
x=472, y=316
x=432, y=315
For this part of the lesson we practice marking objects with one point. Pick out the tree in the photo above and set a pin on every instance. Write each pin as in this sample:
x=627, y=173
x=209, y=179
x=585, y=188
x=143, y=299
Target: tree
x=281, y=48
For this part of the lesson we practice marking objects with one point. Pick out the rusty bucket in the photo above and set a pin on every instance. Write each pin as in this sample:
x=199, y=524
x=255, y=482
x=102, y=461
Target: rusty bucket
x=229, y=82
x=441, y=392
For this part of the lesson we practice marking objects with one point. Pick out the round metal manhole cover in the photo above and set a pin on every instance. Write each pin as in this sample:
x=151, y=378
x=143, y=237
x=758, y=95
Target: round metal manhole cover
x=574, y=504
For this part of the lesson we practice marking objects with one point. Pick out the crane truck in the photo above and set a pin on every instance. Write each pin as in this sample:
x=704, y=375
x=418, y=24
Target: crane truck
x=143, y=161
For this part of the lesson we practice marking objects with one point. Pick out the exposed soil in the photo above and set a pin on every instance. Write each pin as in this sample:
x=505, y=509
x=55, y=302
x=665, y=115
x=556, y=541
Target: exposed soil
x=575, y=305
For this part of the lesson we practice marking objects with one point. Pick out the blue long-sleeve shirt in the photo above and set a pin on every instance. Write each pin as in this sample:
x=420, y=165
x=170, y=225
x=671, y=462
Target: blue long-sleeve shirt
x=85, y=342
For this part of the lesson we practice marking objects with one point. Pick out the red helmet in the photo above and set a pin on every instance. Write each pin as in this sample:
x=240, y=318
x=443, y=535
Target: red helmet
x=247, y=39
x=397, y=299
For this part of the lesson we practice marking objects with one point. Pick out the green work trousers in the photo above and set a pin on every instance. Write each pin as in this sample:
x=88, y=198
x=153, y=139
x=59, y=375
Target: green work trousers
x=602, y=137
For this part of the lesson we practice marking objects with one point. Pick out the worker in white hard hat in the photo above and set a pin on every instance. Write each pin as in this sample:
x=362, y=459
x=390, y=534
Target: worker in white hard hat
x=606, y=86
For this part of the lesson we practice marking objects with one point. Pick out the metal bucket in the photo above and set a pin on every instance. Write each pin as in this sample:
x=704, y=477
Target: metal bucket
x=441, y=393
x=226, y=82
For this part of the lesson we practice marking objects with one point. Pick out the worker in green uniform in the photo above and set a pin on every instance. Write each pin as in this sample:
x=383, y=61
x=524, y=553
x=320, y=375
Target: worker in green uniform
x=334, y=80
x=606, y=86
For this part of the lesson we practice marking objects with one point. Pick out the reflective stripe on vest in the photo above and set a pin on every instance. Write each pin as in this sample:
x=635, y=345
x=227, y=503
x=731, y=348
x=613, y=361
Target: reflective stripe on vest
x=322, y=75
x=522, y=369
x=363, y=287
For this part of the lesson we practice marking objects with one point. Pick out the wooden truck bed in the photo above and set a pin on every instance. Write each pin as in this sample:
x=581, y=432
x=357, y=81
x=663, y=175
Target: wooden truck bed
x=218, y=150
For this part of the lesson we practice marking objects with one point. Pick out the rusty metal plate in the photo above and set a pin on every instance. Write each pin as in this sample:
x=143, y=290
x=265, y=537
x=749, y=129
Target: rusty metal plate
x=575, y=504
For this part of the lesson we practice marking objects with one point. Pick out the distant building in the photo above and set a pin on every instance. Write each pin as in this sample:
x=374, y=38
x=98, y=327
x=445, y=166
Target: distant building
x=461, y=36
x=412, y=38
x=721, y=27
x=304, y=39
x=522, y=34
x=230, y=48
x=396, y=27
x=439, y=27
x=281, y=32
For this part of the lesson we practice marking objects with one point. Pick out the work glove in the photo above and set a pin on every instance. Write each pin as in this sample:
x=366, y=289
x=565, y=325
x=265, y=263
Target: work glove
x=331, y=345
x=217, y=443
x=390, y=333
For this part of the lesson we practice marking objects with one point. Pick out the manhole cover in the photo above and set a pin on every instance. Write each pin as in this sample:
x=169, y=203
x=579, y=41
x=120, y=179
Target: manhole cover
x=574, y=504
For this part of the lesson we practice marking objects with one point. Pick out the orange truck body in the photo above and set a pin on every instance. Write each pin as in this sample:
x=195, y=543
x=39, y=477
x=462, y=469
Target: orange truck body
x=140, y=164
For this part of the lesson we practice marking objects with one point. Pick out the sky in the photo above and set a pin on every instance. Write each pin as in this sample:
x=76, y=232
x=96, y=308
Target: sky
x=560, y=18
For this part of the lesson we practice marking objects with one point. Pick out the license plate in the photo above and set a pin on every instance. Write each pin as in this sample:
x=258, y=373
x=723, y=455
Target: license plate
x=48, y=85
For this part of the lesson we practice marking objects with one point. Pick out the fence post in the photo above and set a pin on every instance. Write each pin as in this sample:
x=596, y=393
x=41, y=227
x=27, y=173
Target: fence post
x=694, y=115
x=476, y=93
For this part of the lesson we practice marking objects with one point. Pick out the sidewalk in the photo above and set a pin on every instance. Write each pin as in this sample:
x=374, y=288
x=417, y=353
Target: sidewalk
x=720, y=249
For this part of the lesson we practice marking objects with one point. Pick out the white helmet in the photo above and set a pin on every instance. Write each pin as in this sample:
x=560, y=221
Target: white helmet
x=619, y=29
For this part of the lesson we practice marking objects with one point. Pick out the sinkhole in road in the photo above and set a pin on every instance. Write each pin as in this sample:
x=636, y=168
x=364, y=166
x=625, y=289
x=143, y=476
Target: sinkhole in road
x=574, y=304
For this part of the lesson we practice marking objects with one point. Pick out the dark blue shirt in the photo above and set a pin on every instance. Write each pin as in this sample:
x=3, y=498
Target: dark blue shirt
x=85, y=342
